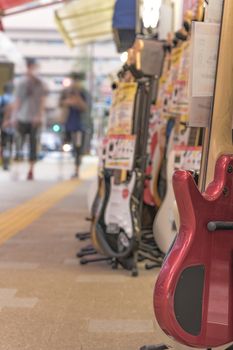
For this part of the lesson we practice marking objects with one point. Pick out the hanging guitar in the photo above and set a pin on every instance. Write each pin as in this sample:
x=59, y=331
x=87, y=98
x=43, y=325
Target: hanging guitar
x=194, y=291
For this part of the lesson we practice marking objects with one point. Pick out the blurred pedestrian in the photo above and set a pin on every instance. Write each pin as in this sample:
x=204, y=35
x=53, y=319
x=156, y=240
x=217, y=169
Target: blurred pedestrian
x=7, y=130
x=75, y=101
x=29, y=112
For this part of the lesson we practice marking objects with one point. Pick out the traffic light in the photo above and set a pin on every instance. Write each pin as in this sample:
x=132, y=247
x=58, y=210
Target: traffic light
x=56, y=128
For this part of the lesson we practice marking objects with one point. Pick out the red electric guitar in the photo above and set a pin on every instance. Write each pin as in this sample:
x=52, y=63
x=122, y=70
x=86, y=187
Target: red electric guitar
x=193, y=297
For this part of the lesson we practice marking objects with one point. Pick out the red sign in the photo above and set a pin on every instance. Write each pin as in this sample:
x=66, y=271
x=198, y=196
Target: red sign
x=8, y=4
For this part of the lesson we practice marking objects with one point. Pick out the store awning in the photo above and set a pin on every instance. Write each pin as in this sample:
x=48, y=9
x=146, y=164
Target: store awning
x=11, y=7
x=85, y=21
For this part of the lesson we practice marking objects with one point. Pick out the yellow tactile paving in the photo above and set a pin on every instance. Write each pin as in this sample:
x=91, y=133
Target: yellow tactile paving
x=16, y=219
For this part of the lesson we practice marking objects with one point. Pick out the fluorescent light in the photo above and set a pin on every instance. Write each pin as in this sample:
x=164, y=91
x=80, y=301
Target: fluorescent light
x=150, y=10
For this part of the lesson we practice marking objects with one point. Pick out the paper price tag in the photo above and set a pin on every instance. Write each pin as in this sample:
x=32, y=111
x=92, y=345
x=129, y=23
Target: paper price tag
x=213, y=12
x=204, y=53
x=121, y=112
x=204, y=58
x=120, y=152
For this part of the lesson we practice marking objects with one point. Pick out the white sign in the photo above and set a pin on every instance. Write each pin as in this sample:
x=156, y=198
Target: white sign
x=200, y=111
x=213, y=12
x=120, y=152
x=204, y=54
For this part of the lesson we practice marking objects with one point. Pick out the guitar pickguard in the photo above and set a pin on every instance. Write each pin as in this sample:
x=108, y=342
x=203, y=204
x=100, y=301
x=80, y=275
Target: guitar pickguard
x=118, y=210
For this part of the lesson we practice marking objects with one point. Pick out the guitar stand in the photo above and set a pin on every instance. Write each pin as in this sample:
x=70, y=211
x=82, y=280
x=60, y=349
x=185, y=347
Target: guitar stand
x=133, y=268
x=165, y=347
x=153, y=266
x=155, y=347
x=151, y=253
x=82, y=236
x=81, y=253
x=84, y=261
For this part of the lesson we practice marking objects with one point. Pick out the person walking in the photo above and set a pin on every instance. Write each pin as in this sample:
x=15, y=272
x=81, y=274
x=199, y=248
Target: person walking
x=75, y=101
x=29, y=112
x=6, y=127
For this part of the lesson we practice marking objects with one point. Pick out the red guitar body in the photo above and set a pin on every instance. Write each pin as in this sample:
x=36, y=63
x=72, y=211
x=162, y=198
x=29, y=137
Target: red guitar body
x=193, y=297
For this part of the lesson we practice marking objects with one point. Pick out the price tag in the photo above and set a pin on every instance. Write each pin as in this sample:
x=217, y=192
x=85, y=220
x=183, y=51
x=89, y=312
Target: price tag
x=121, y=112
x=204, y=55
x=213, y=13
x=200, y=111
x=120, y=152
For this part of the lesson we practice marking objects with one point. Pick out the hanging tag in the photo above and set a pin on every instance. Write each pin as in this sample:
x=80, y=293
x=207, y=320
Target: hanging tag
x=120, y=152
x=204, y=53
x=205, y=43
x=213, y=13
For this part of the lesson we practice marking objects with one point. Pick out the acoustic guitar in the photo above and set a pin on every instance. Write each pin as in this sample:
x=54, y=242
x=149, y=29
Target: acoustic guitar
x=194, y=290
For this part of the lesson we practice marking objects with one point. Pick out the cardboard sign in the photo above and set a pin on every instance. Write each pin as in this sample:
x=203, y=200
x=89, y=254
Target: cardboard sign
x=213, y=11
x=205, y=41
x=204, y=53
x=200, y=111
x=120, y=152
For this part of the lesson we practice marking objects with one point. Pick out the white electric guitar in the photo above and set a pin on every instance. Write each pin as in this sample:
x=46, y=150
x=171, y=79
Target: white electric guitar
x=165, y=223
x=118, y=216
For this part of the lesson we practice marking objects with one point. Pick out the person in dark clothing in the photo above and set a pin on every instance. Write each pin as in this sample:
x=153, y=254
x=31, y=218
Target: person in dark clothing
x=29, y=111
x=75, y=101
x=7, y=130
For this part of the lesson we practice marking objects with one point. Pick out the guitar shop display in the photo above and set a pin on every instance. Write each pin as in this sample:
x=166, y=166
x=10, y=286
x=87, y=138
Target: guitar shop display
x=118, y=228
x=180, y=151
x=170, y=104
x=193, y=293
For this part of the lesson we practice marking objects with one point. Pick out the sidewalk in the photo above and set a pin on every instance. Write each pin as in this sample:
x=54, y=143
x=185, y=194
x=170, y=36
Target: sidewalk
x=47, y=300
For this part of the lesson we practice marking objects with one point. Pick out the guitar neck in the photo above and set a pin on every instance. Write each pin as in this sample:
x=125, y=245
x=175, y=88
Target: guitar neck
x=218, y=138
x=194, y=137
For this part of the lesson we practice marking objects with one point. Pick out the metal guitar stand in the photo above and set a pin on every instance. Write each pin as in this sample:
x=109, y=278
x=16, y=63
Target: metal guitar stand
x=155, y=347
x=165, y=347
x=84, y=261
x=82, y=236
